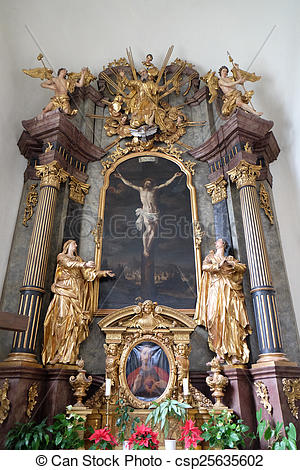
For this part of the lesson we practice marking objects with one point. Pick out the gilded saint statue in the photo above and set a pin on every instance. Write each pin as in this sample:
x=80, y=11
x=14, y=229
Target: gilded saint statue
x=222, y=306
x=69, y=313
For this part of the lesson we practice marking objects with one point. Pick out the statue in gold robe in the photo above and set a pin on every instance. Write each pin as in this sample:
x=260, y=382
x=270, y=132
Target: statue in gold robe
x=222, y=306
x=69, y=313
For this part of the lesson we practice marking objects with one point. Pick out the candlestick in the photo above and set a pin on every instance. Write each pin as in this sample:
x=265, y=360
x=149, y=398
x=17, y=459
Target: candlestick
x=185, y=386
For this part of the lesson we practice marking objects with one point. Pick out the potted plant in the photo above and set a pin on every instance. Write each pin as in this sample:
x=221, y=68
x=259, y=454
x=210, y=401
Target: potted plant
x=225, y=431
x=123, y=420
x=62, y=434
x=103, y=439
x=24, y=436
x=165, y=411
x=190, y=434
x=274, y=435
x=144, y=439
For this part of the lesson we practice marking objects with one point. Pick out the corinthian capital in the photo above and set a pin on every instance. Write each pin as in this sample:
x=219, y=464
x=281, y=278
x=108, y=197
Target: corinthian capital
x=51, y=174
x=244, y=174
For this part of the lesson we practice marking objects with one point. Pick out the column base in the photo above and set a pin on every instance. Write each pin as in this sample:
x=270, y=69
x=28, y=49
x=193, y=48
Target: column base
x=270, y=359
x=18, y=359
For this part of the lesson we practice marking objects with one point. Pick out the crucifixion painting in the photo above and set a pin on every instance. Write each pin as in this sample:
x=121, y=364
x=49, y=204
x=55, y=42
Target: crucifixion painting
x=148, y=235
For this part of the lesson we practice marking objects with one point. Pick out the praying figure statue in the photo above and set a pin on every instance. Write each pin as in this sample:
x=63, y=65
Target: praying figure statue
x=69, y=313
x=222, y=306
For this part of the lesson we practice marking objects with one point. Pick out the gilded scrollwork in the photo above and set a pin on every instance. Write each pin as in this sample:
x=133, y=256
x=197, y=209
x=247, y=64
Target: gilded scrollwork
x=32, y=399
x=78, y=190
x=31, y=202
x=4, y=401
x=263, y=394
x=198, y=234
x=291, y=388
x=265, y=203
x=217, y=190
x=97, y=233
x=117, y=63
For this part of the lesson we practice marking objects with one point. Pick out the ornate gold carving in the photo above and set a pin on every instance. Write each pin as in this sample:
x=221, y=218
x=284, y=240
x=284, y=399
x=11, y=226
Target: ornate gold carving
x=80, y=384
x=217, y=190
x=217, y=382
x=4, y=401
x=51, y=174
x=147, y=318
x=181, y=62
x=31, y=202
x=98, y=399
x=31, y=399
x=247, y=147
x=49, y=148
x=112, y=364
x=117, y=63
x=262, y=393
x=291, y=388
x=182, y=352
x=199, y=399
x=265, y=203
x=244, y=174
x=78, y=190
x=198, y=234
x=97, y=233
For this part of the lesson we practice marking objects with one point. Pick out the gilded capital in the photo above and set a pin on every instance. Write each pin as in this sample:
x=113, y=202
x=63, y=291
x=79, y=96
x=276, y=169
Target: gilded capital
x=217, y=190
x=244, y=174
x=51, y=174
x=78, y=190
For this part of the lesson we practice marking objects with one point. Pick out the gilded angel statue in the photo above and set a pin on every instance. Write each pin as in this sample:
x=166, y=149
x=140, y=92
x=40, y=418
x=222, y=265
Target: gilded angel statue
x=232, y=97
x=62, y=85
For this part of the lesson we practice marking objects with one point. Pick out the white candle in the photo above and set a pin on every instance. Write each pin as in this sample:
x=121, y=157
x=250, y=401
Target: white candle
x=107, y=387
x=185, y=385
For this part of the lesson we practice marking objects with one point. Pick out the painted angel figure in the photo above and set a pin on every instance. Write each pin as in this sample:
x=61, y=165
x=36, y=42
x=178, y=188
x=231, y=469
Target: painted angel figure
x=62, y=85
x=232, y=97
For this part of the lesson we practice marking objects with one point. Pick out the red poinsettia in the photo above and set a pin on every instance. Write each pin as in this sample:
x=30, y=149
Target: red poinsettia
x=190, y=434
x=103, y=439
x=144, y=438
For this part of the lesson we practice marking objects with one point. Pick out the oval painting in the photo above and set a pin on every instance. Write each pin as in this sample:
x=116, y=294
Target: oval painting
x=147, y=371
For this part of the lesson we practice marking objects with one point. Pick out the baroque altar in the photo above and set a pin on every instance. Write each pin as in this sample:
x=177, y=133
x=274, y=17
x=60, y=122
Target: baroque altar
x=145, y=172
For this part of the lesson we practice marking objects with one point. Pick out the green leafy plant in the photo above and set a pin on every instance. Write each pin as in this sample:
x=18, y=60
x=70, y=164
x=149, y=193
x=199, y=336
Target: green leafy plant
x=62, y=434
x=162, y=413
x=274, y=435
x=225, y=431
x=64, y=431
x=124, y=419
x=29, y=435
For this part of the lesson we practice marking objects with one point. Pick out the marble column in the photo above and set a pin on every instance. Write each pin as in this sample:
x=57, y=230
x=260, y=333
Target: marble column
x=262, y=290
x=32, y=290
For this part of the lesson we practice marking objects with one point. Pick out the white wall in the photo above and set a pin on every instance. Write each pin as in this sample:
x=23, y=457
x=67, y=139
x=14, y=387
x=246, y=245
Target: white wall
x=76, y=33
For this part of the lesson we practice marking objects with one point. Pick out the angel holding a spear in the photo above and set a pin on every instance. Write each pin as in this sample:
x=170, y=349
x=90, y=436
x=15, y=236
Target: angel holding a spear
x=62, y=85
x=232, y=97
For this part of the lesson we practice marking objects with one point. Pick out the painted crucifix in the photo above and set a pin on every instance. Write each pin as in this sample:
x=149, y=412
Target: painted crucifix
x=148, y=214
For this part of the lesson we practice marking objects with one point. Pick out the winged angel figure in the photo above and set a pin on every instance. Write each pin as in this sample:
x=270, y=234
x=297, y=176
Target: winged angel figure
x=139, y=108
x=62, y=85
x=232, y=97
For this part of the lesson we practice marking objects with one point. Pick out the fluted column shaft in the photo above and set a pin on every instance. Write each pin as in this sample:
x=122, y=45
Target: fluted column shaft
x=32, y=290
x=262, y=290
